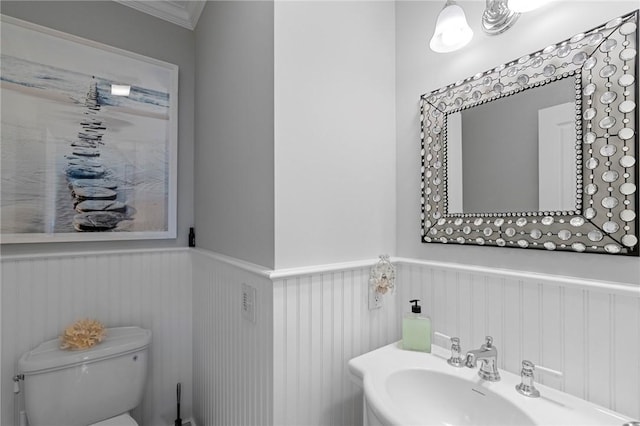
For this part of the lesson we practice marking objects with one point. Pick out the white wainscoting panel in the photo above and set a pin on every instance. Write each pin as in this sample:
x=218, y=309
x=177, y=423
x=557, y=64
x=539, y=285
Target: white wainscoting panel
x=589, y=331
x=41, y=295
x=321, y=320
x=290, y=366
x=232, y=356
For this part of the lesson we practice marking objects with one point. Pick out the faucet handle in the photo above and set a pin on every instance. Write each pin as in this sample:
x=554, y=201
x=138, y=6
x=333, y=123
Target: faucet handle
x=527, y=386
x=489, y=342
x=456, y=359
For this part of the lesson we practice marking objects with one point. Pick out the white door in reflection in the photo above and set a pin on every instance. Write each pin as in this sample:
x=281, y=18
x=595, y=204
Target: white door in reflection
x=557, y=150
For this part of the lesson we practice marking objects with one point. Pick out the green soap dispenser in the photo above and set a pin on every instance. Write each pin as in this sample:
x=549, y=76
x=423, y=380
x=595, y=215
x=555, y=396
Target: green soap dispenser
x=416, y=329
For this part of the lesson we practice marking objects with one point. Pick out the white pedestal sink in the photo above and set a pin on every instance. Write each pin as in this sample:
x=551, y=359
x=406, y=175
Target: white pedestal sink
x=414, y=388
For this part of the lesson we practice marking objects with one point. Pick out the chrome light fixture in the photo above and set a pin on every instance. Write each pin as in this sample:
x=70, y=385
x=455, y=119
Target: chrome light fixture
x=498, y=16
x=452, y=30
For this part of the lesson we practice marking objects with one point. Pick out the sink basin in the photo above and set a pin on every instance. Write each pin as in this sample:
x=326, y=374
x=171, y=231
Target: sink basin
x=415, y=388
x=431, y=397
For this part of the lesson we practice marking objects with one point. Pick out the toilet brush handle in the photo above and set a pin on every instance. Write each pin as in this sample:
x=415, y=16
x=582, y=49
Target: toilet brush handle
x=178, y=421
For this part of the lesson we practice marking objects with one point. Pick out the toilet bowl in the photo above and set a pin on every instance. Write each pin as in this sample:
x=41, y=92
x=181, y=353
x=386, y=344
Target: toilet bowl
x=98, y=386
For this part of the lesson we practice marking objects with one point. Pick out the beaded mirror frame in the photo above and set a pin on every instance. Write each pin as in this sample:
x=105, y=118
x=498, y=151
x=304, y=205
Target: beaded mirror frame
x=604, y=63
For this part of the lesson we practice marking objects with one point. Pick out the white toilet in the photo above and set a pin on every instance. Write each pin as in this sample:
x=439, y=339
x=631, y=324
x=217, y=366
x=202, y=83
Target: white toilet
x=96, y=386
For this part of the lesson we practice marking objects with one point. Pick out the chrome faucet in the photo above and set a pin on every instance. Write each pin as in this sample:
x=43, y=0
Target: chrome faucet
x=488, y=356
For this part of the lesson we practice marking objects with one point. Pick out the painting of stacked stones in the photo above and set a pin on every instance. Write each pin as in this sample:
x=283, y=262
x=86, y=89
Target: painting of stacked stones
x=78, y=160
x=95, y=197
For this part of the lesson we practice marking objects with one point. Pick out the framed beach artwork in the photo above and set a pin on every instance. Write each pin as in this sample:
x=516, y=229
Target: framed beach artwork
x=88, y=139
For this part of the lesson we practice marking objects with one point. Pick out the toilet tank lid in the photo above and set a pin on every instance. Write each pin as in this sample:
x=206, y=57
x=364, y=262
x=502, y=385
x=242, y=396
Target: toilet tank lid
x=49, y=356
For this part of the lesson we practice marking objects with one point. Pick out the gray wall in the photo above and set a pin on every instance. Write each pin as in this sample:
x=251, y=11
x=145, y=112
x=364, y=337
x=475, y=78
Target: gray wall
x=234, y=116
x=419, y=70
x=115, y=25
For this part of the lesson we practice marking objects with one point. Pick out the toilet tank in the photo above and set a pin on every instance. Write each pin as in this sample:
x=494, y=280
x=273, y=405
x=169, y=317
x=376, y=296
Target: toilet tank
x=78, y=388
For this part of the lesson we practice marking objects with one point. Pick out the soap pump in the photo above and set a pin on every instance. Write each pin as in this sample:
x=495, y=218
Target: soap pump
x=416, y=329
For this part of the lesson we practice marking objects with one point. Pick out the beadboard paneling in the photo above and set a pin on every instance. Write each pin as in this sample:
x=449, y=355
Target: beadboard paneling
x=289, y=368
x=232, y=357
x=150, y=289
x=589, y=332
x=321, y=321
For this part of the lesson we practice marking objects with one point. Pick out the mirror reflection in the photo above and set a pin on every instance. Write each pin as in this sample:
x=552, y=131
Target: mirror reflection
x=514, y=154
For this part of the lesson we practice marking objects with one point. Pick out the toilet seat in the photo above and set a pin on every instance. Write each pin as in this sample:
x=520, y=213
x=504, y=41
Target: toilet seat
x=121, y=420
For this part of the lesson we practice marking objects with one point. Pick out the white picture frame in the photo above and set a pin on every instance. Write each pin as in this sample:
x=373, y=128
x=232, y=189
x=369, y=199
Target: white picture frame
x=80, y=163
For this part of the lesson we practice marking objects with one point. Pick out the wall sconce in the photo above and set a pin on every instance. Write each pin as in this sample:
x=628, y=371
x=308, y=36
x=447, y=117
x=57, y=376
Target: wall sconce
x=382, y=281
x=452, y=31
x=500, y=15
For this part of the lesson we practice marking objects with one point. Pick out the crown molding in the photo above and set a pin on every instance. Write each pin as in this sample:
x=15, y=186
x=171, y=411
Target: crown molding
x=183, y=13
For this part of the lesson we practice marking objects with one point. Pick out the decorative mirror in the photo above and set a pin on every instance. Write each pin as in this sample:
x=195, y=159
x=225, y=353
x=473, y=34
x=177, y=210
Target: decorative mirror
x=540, y=152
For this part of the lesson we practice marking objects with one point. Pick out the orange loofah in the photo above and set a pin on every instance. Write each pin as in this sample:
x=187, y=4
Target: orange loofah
x=82, y=334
